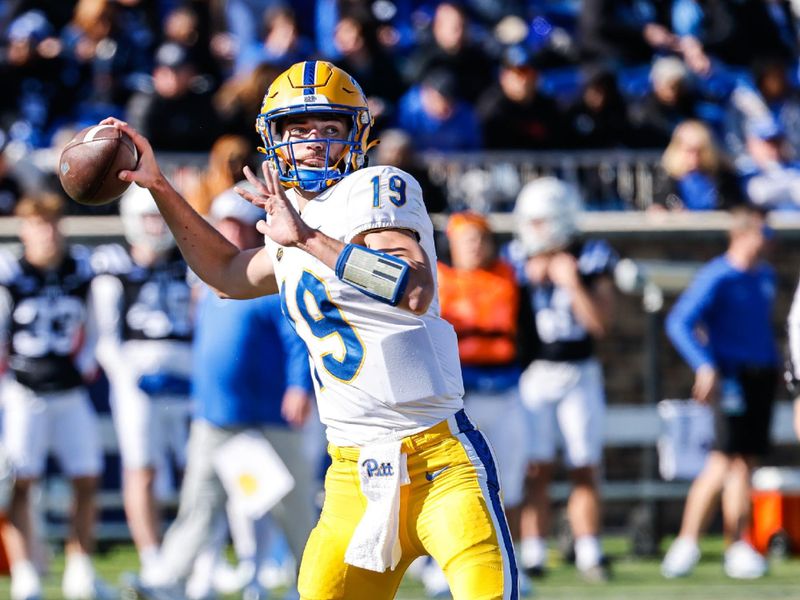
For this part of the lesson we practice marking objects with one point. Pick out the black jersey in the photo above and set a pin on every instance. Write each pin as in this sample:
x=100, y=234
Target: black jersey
x=548, y=327
x=47, y=316
x=156, y=300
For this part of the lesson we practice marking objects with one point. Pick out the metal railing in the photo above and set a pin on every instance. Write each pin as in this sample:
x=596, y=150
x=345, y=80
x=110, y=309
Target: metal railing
x=486, y=181
x=490, y=181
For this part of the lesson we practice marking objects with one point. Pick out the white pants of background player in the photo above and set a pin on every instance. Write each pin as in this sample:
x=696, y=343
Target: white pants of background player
x=150, y=432
x=35, y=424
x=501, y=417
x=64, y=423
x=565, y=406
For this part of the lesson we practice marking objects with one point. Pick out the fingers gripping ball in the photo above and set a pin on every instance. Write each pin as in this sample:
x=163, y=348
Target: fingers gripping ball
x=91, y=161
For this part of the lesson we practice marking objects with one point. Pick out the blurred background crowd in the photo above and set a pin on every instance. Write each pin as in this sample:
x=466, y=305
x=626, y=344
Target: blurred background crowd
x=708, y=88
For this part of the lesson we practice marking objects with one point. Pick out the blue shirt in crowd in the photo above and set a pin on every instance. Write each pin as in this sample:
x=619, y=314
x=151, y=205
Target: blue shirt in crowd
x=461, y=131
x=734, y=307
x=245, y=356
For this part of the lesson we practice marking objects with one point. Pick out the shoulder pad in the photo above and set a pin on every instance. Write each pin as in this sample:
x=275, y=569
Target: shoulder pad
x=384, y=196
x=111, y=259
x=597, y=257
x=514, y=254
x=9, y=265
x=82, y=255
x=363, y=182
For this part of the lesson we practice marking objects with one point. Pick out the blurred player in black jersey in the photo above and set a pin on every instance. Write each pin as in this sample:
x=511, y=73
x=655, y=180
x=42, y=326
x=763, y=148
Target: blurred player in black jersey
x=47, y=325
x=568, y=299
x=145, y=335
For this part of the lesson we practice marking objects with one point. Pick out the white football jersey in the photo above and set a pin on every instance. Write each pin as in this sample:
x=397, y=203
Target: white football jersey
x=381, y=372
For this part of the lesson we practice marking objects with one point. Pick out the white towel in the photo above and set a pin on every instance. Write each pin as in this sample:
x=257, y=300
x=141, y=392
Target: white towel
x=375, y=544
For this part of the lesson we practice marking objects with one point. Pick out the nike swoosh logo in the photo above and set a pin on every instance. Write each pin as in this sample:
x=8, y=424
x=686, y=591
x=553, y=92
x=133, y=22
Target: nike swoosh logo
x=431, y=475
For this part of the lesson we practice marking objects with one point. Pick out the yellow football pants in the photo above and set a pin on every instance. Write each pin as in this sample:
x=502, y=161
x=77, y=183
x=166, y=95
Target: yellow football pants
x=451, y=510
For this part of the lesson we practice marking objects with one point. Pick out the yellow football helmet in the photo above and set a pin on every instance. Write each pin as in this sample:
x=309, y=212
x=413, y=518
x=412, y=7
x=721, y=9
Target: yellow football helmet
x=314, y=86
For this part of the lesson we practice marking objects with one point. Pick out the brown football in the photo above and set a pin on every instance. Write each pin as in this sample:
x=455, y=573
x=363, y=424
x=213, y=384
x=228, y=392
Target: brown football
x=90, y=162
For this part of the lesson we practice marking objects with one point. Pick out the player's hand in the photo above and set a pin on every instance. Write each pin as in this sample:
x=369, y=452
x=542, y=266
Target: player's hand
x=296, y=406
x=562, y=270
x=147, y=173
x=536, y=268
x=284, y=226
x=706, y=380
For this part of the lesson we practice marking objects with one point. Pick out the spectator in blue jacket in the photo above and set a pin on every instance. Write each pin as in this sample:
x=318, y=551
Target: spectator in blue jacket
x=735, y=362
x=696, y=173
x=281, y=42
x=434, y=115
x=232, y=394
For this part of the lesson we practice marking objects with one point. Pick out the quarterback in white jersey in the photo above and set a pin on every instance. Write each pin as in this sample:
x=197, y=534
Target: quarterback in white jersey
x=350, y=250
x=383, y=373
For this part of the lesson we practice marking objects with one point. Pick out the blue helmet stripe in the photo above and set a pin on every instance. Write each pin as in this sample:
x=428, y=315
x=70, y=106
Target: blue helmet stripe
x=309, y=69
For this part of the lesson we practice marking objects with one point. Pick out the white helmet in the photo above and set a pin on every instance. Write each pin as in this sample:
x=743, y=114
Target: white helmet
x=135, y=204
x=546, y=212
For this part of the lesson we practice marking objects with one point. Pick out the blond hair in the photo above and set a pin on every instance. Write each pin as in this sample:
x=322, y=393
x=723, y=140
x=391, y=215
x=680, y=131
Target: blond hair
x=711, y=158
x=219, y=175
x=745, y=218
x=45, y=205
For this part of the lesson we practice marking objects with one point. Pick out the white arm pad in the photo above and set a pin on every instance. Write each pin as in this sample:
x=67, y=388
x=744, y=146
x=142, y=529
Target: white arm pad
x=377, y=274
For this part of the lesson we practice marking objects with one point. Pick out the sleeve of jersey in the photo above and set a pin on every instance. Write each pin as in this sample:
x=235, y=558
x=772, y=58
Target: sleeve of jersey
x=9, y=267
x=106, y=294
x=597, y=258
x=385, y=198
x=110, y=258
x=690, y=310
x=5, y=326
x=85, y=359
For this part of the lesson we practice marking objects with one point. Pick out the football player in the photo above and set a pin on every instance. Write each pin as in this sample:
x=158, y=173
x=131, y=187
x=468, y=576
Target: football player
x=47, y=329
x=567, y=304
x=350, y=250
x=145, y=334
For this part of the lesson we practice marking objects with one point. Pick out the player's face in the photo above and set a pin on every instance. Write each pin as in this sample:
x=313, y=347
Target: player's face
x=42, y=240
x=540, y=228
x=471, y=248
x=313, y=130
x=692, y=147
x=154, y=225
x=753, y=238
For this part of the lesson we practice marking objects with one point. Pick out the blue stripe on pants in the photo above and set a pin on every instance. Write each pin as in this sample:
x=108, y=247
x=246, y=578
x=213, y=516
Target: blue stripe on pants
x=481, y=447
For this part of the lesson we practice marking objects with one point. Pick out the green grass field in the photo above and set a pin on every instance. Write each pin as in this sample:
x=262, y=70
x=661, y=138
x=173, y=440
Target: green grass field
x=637, y=579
